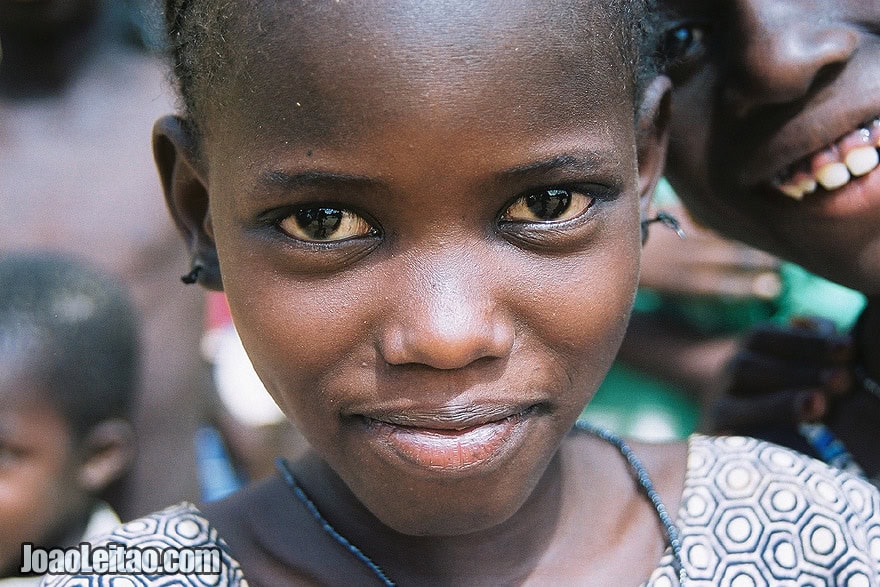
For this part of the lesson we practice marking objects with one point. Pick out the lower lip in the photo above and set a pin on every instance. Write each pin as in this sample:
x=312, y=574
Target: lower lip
x=856, y=198
x=449, y=451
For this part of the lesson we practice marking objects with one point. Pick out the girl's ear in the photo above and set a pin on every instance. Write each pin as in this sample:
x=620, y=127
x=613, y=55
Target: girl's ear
x=653, y=137
x=186, y=193
x=108, y=451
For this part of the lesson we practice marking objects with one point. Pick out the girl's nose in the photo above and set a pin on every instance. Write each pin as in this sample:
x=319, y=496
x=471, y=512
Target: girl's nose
x=445, y=317
x=779, y=53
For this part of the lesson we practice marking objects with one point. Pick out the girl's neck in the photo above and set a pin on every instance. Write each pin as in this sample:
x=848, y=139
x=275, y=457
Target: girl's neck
x=42, y=63
x=585, y=518
x=504, y=554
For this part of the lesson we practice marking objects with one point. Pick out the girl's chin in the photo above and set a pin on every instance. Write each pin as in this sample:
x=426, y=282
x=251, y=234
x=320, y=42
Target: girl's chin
x=438, y=493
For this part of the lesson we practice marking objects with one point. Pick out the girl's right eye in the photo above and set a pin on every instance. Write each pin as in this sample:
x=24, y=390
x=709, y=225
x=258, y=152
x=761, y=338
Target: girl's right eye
x=325, y=224
x=684, y=45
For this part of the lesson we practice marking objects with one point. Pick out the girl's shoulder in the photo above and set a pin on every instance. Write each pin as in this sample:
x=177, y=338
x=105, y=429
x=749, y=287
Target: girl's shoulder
x=736, y=467
x=760, y=511
x=177, y=545
x=261, y=534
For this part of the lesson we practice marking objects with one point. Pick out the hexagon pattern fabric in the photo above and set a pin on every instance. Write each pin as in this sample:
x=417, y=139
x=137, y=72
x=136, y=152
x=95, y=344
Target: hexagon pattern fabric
x=754, y=514
x=178, y=527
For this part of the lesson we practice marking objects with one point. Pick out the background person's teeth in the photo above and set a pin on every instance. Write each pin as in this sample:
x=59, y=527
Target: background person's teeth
x=791, y=190
x=862, y=160
x=806, y=182
x=829, y=169
x=833, y=175
x=798, y=184
x=859, y=153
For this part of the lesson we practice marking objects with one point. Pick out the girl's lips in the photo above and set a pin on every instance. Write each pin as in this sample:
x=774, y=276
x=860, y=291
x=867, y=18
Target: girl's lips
x=445, y=448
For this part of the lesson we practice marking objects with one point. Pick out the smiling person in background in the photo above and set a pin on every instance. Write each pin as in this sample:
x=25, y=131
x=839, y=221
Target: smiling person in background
x=775, y=138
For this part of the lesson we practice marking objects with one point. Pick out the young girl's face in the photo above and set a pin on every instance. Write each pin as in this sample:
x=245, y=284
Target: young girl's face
x=427, y=225
x=767, y=94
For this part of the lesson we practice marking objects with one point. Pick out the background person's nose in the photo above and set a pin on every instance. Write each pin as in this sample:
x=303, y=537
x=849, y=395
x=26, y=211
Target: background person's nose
x=777, y=56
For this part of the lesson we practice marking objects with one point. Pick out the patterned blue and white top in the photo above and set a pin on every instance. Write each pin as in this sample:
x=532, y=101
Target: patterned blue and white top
x=752, y=514
x=755, y=514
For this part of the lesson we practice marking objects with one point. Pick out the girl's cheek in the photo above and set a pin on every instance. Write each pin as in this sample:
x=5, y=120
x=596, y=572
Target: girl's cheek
x=295, y=331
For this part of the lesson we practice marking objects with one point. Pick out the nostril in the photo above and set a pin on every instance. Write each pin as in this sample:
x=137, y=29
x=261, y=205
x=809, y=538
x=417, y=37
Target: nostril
x=445, y=346
x=785, y=65
x=826, y=76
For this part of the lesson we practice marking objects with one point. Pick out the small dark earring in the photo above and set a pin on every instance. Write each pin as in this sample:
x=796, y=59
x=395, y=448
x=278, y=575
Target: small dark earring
x=193, y=276
x=667, y=220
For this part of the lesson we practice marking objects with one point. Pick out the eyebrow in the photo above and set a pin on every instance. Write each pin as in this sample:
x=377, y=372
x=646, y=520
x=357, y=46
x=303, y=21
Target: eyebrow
x=590, y=162
x=580, y=163
x=313, y=178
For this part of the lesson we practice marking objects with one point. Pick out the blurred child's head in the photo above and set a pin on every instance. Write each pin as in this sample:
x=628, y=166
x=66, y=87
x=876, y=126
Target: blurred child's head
x=776, y=127
x=426, y=216
x=68, y=369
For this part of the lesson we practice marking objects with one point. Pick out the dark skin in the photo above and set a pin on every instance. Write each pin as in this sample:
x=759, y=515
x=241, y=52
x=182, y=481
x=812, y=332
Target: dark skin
x=441, y=305
x=762, y=89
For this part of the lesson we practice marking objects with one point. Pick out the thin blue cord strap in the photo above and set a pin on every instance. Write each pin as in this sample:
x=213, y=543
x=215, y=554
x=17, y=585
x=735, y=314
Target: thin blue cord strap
x=285, y=471
x=645, y=482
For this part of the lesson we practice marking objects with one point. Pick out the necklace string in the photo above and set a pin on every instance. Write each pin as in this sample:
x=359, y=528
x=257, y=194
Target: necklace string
x=635, y=464
x=644, y=481
x=290, y=480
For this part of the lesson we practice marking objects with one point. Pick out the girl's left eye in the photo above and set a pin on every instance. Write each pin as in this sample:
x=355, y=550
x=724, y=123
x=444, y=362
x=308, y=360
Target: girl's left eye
x=325, y=224
x=553, y=205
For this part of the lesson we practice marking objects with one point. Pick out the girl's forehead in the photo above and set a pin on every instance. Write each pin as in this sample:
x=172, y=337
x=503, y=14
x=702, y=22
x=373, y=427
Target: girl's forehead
x=428, y=22
x=344, y=62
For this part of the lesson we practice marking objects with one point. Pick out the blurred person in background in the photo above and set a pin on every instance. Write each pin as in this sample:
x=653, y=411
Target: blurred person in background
x=776, y=142
x=69, y=361
x=700, y=298
x=78, y=96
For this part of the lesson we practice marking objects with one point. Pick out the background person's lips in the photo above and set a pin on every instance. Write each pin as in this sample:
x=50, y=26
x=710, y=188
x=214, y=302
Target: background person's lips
x=777, y=136
x=851, y=157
